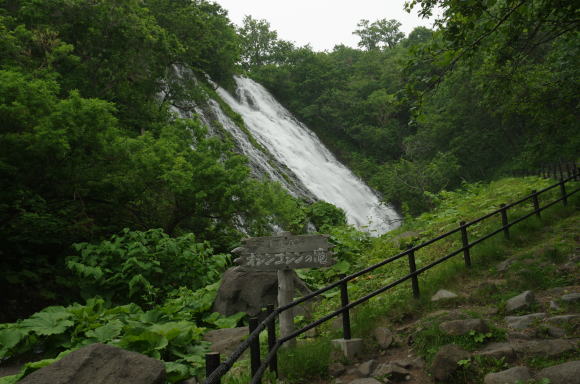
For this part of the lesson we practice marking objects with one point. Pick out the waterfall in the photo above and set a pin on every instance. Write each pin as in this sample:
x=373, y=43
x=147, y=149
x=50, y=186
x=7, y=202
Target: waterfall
x=292, y=144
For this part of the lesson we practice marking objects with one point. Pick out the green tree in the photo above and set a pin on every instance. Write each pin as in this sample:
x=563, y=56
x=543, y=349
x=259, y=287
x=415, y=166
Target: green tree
x=379, y=34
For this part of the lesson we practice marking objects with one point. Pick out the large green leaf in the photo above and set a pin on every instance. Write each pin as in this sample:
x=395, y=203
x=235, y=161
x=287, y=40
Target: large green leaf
x=51, y=321
x=106, y=332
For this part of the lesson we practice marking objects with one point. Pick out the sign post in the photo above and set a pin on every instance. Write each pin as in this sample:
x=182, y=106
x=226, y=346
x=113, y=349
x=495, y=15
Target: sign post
x=282, y=253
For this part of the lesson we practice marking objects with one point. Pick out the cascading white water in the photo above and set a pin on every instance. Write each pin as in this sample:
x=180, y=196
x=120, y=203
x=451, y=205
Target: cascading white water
x=294, y=145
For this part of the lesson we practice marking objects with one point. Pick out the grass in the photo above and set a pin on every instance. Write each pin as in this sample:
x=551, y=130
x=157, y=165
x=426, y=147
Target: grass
x=544, y=242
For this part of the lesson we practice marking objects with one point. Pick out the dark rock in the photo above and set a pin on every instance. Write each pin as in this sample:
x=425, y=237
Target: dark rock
x=549, y=348
x=498, y=351
x=462, y=327
x=445, y=361
x=509, y=376
x=523, y=322
x=392, y=371
x=521, y=301
x=565, y=319
x=244, y=290
x=571, y=297
x=384, y=337
x=443, y=294
x=554, y=332
x=100, y=364
x=567, y=373
x=226, y=340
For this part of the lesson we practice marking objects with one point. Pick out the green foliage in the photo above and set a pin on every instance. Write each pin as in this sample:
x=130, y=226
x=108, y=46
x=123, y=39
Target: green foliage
x=168, y=332
x=379, y=34
x=143, y=267
x=324, y=215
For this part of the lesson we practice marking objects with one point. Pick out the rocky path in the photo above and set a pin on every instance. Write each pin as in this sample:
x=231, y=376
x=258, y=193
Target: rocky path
x=480, y=336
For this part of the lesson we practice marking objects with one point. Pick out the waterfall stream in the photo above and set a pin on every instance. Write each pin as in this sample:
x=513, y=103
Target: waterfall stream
x=292, y=144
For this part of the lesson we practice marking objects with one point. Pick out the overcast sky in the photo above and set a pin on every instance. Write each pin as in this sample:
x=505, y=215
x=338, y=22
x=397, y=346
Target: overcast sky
x=322, y=23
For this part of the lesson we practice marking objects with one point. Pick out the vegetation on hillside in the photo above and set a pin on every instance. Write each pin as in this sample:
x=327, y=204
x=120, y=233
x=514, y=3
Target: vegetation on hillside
x=116, y=215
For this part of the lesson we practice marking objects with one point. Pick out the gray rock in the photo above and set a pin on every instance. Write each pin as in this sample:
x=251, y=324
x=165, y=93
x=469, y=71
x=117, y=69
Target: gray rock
x=554, y=306
x=509, y=376
x=336, y=369
x=521, y=301
x=445, y=361
x=392, y=371
x=405, y=363
x=100, y=364
x=367, y=367
x=565, y=319
x=226, y=340
x=443, y=294
x=550, y=348
x=462, y=327
x=504, y=265
x=498, y=351
x=244, y=290
x=567, y=373
x=368, y=380
x=571, y=297
x=384, y=337
x=555, y=332
x=523, y=322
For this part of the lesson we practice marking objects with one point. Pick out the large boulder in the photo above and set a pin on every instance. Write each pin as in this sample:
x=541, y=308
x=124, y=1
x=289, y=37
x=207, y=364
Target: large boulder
x=246, y=290
x=100, y=364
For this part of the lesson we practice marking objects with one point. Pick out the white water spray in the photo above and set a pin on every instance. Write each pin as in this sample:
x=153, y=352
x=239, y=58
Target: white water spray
x=294, y=145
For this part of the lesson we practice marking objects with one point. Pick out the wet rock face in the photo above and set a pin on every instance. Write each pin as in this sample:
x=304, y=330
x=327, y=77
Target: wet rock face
x=101, y=364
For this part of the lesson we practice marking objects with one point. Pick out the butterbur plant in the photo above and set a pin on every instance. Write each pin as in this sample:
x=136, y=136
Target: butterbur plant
x=143, y=267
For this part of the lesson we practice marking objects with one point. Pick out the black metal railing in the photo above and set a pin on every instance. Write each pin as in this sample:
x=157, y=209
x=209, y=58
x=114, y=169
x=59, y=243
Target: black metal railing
x=215, y=372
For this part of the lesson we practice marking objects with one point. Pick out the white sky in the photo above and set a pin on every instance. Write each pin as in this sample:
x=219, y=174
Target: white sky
x=322, y=23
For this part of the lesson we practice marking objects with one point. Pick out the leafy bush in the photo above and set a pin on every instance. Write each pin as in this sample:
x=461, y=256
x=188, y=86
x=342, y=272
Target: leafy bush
x=324, y=215
x=143, y=266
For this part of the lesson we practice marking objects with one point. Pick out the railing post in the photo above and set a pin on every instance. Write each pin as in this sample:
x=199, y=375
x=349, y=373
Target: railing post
x=345, y=313
x=465, y=241
x=412, y=269
x=504, y=221
x=563, y=190
x=272, y=340
x=560, y=170
x=254, y=347
x=536, y=204
x=212, y=361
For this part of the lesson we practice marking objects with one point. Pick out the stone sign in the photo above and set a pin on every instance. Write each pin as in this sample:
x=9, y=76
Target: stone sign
x=285, y=252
